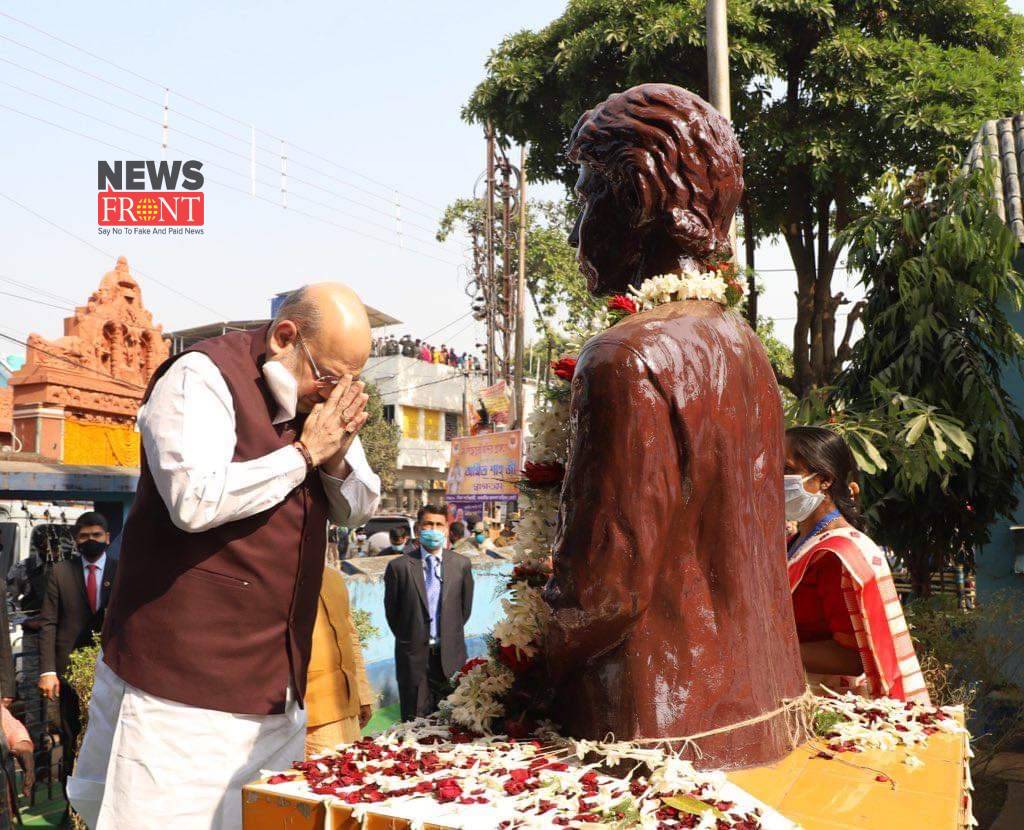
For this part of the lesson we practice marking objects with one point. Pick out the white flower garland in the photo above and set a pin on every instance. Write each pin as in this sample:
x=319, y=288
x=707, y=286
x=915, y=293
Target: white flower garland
x=477, y=698
x=690, y=285
x=526, y=616
x=884, y=723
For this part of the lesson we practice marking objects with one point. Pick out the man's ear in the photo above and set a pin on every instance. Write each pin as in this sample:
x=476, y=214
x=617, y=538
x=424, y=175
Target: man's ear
x=283, y=335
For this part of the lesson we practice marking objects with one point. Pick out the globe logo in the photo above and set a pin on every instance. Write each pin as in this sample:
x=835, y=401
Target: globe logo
x=146, y=209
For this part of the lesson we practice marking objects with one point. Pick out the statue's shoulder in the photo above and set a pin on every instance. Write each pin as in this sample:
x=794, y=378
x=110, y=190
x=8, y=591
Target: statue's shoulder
x=620, y=341
x=649, y=331
x=668, y=339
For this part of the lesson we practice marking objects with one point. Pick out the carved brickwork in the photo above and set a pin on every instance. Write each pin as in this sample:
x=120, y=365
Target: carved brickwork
x=6, y=412
x=98, y=371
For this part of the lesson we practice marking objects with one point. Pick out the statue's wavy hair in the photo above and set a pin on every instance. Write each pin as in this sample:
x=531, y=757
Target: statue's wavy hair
x=673, y=156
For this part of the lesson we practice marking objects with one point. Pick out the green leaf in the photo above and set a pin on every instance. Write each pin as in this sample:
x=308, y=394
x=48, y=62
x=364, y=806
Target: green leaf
x=622, y=816
x=692, y=806
x=862, y=461
x=872, y=451
x=939, y=442
x=958, y=437
x=916, y=427
x=824, y=720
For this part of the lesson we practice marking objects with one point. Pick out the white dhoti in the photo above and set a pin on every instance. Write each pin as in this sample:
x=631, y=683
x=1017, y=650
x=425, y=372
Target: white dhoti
x=153, y=764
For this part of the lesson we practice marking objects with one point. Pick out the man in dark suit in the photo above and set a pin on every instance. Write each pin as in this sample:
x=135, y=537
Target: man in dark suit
x=428, y=597
x=73, y=609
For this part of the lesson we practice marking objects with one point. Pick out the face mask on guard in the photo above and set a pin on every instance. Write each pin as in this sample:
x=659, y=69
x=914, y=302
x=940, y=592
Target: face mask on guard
x=91, y=549
x=431, y=539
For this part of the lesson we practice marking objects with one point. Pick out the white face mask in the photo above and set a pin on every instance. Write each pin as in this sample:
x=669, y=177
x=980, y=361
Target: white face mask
x=799, y=503
x=283, y=386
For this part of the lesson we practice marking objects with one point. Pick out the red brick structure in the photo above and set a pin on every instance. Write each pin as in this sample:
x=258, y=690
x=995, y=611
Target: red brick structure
x=6, y=416
x=76, y=397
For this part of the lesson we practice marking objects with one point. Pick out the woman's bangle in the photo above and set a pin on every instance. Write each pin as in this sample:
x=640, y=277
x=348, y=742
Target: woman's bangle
x=304, y=452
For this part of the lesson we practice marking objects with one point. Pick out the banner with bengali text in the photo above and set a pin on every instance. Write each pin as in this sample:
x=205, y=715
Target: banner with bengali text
x=485, y=468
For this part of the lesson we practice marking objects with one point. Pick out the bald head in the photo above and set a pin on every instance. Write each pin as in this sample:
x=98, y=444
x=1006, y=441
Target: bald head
x=325, y=326
x=332, y=321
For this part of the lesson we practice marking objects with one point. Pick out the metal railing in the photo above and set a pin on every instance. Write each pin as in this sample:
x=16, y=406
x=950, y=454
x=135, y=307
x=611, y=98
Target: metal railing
x=36, y=713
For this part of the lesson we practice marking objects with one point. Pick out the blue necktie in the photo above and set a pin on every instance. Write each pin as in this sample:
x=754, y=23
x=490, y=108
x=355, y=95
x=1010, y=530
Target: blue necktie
x=433, y=582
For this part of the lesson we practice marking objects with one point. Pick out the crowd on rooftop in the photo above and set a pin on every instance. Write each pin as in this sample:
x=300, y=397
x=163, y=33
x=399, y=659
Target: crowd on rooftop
x=406, y=346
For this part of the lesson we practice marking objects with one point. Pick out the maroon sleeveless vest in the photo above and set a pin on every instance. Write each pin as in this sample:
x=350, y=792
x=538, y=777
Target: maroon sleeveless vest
x=222, y=619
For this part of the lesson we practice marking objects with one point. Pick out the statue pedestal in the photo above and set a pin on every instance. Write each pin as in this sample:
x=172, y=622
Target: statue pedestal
x=815, y=793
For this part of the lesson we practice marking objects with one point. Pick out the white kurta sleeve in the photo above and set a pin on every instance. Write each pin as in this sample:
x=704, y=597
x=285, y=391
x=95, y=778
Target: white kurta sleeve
x=188, y=435
x=353, y=500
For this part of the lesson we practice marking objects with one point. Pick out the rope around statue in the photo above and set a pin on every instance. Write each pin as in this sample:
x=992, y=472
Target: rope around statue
x=478, y=702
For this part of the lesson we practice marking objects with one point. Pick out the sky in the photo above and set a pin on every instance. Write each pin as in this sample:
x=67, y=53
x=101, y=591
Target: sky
x=367, y=98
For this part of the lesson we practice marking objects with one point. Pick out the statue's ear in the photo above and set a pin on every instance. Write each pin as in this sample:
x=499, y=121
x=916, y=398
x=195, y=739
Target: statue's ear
x=692, y=233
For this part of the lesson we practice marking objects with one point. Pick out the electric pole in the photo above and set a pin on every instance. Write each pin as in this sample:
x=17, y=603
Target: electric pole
x=507, y=300
x=521, y=294
x=489, y=237
x=718, y=57
x=717, y=37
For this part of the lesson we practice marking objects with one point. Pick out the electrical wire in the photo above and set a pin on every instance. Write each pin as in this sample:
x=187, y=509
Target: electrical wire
x=385, y=391
x=419, y=385
x=220, y=184
x=793, y=270
x=199, y=103
x=107, y=254
x=244, y=156
x=793, y=319
x=73, y=362
x=34, y=300
x=388, y=358
x=48, y=294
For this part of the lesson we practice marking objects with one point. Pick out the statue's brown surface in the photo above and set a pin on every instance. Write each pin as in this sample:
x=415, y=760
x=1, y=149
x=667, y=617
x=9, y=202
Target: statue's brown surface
x=671, y=608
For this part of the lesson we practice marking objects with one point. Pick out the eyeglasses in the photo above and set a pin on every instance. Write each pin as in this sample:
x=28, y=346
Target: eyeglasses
x=323, y=381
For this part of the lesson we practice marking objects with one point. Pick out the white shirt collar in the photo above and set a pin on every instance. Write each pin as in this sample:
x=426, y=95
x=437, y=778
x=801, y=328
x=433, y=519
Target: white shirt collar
x=99, y=563
x=424, y=554
x=284, y=388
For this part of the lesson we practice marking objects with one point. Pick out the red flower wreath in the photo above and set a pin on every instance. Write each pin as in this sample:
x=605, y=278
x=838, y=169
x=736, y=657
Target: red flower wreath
x=541, y=475
x=622, y=303
x=564, y=367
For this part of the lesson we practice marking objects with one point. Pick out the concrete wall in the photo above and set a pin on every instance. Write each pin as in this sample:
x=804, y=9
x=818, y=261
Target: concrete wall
x=421, y=394
x=995, y=560
x=379, y=654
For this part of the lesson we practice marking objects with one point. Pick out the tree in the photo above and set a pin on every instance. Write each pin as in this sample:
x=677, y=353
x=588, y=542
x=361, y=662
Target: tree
x=557, y=290
x=380, y=440
x=938, y=265
x=779, y=354
x=827, y=96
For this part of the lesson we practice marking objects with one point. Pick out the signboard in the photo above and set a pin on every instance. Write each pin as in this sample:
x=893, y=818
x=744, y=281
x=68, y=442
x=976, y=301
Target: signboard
x=491, y=407
x=460, y=512
x=485, y=468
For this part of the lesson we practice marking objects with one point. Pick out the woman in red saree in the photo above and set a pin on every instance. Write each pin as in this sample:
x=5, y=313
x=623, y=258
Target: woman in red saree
x=849, y=620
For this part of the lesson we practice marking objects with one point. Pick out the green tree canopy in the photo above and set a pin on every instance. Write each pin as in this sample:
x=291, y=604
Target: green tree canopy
x=380, y=440
x=938, y=265
x=826, y=96
x=558, y=292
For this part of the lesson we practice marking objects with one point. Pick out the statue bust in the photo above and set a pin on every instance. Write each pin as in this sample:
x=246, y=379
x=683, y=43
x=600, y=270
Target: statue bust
x=671, y=613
